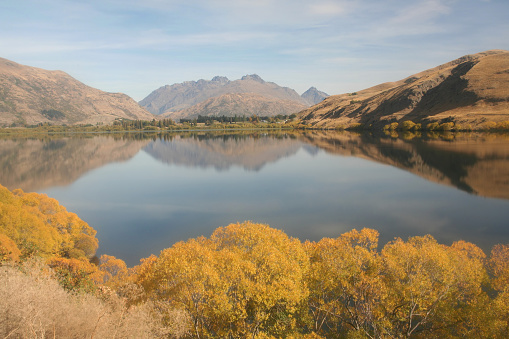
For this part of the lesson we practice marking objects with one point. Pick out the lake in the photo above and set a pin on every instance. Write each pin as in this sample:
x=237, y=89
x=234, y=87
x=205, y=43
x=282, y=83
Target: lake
x=145, y=192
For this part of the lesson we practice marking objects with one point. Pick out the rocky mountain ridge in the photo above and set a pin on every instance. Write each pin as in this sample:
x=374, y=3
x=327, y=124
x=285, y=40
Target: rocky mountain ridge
x=182, y=97
x=30, y=95
x=470, y=90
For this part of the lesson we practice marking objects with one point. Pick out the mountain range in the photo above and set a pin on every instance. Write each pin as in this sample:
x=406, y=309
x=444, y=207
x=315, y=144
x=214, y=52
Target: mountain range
x=221, y=96
x=470, y=90
x=30, y=95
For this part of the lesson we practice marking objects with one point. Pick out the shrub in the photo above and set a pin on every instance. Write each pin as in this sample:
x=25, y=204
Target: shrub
x=446, y=126
x=34, y=305
x=407, y=125
x=432, y=126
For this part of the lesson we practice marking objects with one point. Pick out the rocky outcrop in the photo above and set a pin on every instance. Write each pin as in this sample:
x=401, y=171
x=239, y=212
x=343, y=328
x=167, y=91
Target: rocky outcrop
x=469, y=90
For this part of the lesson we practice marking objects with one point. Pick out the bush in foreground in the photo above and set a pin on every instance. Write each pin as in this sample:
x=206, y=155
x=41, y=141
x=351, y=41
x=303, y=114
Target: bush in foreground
x=34, y=305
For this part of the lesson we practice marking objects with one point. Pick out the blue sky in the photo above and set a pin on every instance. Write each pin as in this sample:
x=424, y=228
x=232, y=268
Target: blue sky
x=338, y=46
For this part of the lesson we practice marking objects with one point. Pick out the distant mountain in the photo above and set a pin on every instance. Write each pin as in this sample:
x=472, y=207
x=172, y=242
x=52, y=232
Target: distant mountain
x=314, y=96
x=240, y=104
x=179, y=97
x=469, y=90
x=32, y=95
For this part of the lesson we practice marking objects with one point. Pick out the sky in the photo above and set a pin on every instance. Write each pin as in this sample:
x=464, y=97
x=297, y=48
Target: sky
x=338, y=46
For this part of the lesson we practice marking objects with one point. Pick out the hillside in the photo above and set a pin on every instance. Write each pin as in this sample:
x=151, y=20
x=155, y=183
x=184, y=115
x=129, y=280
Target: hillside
x=30, y=95
x=240, y=104
x=470, y=90
x=179, y=97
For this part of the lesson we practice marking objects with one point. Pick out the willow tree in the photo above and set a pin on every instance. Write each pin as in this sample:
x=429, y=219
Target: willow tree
x=345, y=285
x=431, y=288
x=247, y=279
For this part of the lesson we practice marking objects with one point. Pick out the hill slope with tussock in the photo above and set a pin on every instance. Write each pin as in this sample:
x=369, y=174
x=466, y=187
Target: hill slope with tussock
x=30, y=95
x=471, y=90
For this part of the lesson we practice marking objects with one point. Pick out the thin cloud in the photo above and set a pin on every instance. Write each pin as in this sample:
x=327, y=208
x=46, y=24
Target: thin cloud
x=298, y=42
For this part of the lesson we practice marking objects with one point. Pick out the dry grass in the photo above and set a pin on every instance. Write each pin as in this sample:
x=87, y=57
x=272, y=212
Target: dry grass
x=34, y=305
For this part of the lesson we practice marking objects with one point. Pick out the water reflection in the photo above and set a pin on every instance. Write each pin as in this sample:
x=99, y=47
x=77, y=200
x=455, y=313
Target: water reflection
x=221, y=152
x=144, y=192
x=475, y=163
x=33, y=164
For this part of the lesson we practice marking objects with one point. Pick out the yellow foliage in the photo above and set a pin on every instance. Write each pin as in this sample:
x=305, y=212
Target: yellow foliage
x=429, y=283
x=245, y=279
x=8, y=249
x=499, y=265
x=40, y=226
x=251, y=280
x=345, y=281
x=114, y=270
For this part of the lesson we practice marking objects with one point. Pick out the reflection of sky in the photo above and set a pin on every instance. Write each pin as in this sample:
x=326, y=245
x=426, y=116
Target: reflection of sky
x=142, y=206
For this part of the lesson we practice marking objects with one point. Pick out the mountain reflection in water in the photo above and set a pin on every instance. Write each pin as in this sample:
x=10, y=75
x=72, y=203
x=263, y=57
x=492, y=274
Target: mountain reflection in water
x=144, y=192
x=223, y=152
x=475, y=163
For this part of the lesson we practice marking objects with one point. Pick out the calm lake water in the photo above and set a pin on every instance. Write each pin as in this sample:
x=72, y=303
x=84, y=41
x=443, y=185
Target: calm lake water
x=143, y=193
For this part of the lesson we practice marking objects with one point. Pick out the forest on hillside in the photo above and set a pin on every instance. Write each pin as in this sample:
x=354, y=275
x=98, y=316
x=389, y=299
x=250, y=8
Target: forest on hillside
x=245, y=280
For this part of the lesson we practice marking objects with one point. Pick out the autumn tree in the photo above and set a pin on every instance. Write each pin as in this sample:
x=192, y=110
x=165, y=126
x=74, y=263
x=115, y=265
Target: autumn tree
x=499, y=269
x=114, y=270
x=345, y=284
x=430, y=288
x=75, y=274
x=40, y=226
x=247, y=279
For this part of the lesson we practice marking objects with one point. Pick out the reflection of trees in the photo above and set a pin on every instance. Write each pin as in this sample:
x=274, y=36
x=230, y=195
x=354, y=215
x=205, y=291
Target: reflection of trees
x=475, y=163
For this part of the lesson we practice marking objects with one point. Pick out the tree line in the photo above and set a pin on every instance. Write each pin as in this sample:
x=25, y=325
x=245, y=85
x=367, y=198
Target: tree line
x=249, y=280
x=237, y=119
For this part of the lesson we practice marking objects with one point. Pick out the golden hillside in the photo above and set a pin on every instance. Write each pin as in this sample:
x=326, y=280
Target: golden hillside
x=470, y=90
x=30, y=95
